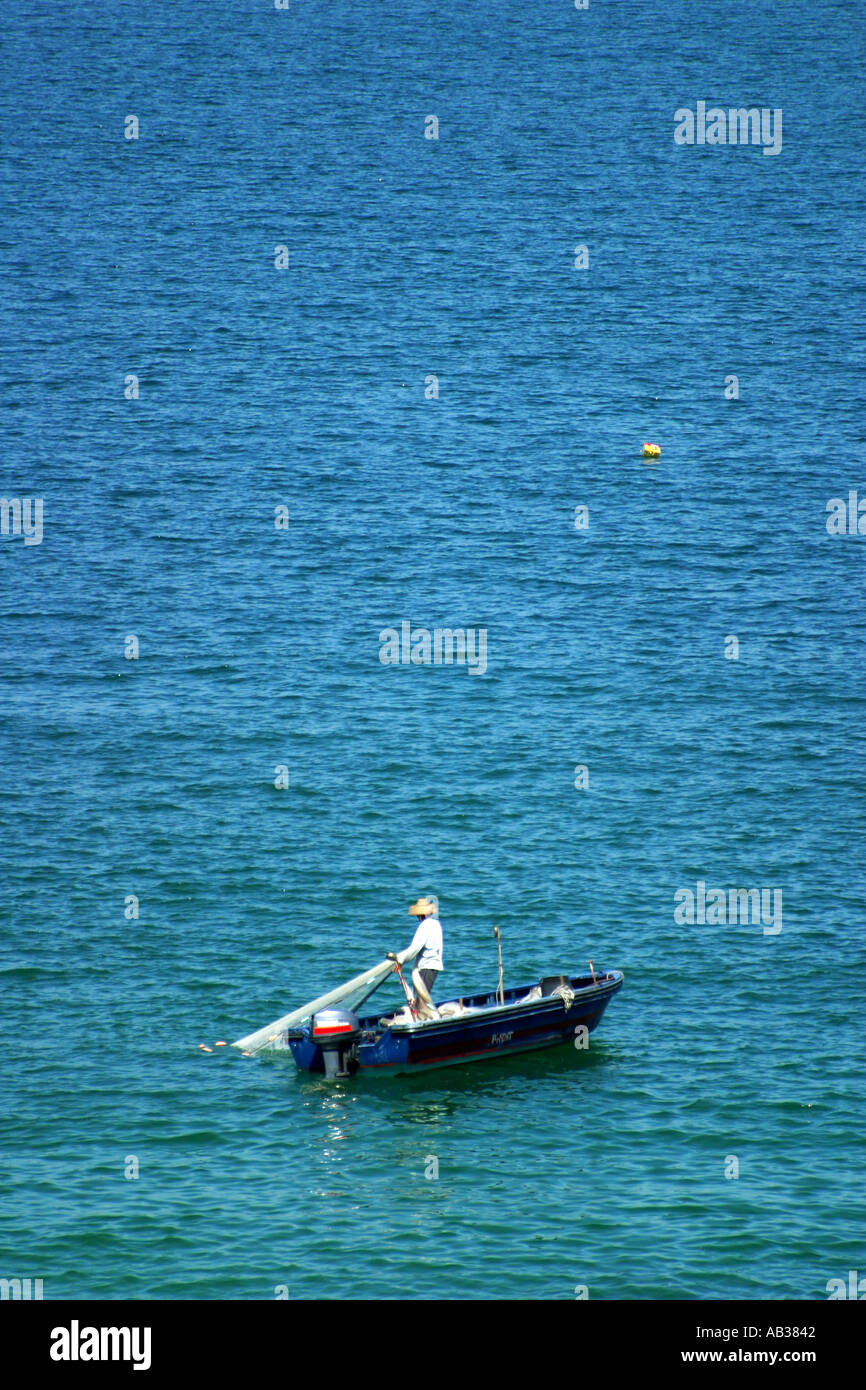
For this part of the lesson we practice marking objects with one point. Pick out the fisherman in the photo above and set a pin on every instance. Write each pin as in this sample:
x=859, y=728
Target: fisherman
x=427, y=946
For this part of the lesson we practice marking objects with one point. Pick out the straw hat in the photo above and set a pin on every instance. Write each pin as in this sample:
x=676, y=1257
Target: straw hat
x=423, y=908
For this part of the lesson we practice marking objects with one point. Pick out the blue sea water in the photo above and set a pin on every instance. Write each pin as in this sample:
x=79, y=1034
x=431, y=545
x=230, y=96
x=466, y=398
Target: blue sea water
x=259, y=647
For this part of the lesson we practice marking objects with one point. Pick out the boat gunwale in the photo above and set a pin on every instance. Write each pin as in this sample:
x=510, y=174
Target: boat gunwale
x=610, y=982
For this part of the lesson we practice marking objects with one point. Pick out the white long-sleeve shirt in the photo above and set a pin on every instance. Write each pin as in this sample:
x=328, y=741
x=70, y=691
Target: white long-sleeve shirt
x=428, y=941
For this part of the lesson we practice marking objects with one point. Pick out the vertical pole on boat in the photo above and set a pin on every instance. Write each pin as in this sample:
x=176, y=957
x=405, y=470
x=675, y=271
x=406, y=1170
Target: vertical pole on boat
x=499, y=950
x=592, y=972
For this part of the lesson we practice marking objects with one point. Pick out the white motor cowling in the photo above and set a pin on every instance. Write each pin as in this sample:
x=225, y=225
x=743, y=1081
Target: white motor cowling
x=336, y=1031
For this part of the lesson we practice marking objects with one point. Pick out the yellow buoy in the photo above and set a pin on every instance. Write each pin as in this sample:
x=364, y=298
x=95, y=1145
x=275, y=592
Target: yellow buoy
x=652, y=451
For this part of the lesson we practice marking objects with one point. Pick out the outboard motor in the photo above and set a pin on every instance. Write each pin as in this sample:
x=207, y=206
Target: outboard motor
x=336, y=1031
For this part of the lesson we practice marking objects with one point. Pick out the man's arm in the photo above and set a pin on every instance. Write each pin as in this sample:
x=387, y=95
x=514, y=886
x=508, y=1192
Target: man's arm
x=414, y=949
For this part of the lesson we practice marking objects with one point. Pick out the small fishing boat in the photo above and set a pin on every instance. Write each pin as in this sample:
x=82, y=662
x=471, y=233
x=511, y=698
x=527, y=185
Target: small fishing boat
x=328, y=1036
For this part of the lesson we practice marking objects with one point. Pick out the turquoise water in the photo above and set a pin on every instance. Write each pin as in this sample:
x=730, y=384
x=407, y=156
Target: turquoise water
x=259, y=647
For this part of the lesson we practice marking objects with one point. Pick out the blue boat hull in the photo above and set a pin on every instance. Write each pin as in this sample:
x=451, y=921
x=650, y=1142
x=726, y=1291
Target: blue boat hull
x=487, y=1029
